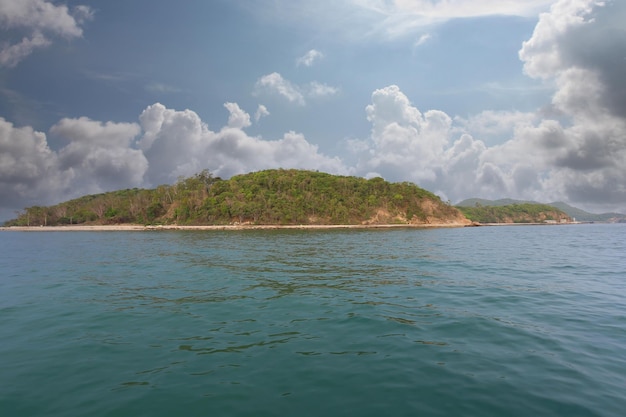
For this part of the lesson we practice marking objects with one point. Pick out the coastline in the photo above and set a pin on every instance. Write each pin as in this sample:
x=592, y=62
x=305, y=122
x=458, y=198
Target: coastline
x=138, y=227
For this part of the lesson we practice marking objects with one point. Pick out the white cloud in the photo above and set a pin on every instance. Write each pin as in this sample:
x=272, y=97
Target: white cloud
x=179, y=143
x=38, y=19
x=491, y=124
x=261, y=111
x=579, y=157
x=100, y=156
x=543, y=53
x=276, y=84
x=405, y=141
x=174, y=142
x=11, y=55
x=28, y=168
x=166, y=144
x=583, y=162
x=238, y=118
x=309, y=58
x=452, y=9
x=422, y=39
x=383, y=19
x=316, y=89
x=97, y=157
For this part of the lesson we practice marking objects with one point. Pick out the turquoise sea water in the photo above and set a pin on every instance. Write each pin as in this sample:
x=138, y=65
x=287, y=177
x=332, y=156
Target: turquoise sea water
x=491, y=321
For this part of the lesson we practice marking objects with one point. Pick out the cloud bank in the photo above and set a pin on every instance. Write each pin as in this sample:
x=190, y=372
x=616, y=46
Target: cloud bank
x=164, y=145
x=578, y=155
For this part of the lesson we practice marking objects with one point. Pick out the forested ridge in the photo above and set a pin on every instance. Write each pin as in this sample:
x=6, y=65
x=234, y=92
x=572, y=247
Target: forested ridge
x=573, y=212
x=515, y=213
x=280, y=197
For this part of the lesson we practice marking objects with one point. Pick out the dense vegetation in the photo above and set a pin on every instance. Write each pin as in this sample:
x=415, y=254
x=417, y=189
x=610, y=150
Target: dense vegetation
x=264, y=197
x=573, y=212
x=514, y=213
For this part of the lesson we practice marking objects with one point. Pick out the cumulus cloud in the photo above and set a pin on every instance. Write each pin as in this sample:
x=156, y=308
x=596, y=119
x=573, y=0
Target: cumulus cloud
x=490, y=124
x=28, y=167
x=99, y=156
x=275, y=84
x=436, y=152
x=38, y=20
x=582, y=47
x=164, y=145
x=178, y=143
x=238, y=118
x=309, y=58
x=405, y=142
x=578, y=155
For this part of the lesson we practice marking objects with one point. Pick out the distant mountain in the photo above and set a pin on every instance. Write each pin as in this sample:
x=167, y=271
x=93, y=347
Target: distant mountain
x=584, y=216
x=472, y=202
x=576, y=213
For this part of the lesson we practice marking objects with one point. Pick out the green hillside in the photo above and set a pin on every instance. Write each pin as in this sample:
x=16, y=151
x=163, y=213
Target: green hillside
x=573, y=212
x=515, y=213
x=265, y=197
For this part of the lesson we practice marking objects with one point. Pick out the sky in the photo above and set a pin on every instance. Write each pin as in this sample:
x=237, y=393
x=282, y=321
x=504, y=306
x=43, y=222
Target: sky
x=493, y=99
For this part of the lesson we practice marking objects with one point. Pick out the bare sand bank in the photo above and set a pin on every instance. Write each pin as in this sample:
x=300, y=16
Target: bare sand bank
x=137, y=227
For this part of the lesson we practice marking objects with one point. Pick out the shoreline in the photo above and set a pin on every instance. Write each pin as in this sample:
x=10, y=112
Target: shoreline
x=138, y=227
x=238, y=227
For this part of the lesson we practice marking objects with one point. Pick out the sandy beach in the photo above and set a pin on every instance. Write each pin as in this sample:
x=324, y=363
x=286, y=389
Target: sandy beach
x=138, y=227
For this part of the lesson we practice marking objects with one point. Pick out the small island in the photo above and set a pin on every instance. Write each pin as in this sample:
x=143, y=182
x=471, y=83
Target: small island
x=276, y=198
x=263, y=199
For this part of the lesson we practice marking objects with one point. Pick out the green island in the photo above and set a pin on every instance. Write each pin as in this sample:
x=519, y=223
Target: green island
x=280, y=197
x=269, y=197
x=515, y=213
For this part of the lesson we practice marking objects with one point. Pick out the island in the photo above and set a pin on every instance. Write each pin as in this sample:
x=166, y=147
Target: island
x=269, y=198
x=276, y=198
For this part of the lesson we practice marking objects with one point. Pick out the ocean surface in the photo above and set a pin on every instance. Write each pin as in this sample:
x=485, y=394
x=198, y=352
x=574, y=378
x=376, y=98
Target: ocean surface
x=488, y=321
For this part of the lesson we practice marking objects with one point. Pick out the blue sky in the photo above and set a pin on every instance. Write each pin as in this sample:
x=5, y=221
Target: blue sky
x=493, y=99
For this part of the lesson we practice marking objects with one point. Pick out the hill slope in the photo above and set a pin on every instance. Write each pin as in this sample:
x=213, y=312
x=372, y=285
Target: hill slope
x=515, y=213
x=578, y=214
x=264, y=197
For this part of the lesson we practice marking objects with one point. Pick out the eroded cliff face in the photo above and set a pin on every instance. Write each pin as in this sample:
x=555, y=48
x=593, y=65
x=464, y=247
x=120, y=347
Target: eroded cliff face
x=431, y=212
x=441, y=213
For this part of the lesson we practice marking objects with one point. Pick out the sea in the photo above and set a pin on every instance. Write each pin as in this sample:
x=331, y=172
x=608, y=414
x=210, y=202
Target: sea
x=484, y=321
